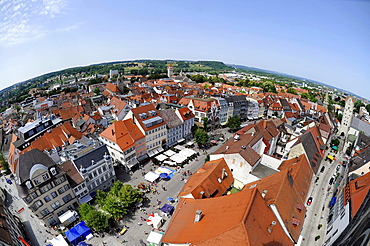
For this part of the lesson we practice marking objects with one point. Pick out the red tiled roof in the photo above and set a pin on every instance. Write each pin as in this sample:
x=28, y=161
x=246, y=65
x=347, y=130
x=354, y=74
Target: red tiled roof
x=358, y=190
x=57, y=137
x=205, y=182
x=118, y=134
x=226, y=221
x=287, y=188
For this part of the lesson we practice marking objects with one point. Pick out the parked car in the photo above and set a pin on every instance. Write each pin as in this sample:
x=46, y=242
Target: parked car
x=331, y=181
x=322, y=169
x=309, y=201
x=8, y=181
x=338, y=167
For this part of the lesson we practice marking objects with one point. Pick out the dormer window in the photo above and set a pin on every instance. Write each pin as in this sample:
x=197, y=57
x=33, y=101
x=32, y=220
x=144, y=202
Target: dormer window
x=45, y=176
x=36, y=182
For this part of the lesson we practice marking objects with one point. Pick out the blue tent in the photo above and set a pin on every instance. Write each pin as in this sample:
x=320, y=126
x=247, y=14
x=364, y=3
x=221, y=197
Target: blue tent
x=168, y=209
x=73, y=236
x=82, y=229
x=82, y=244
x=164, y=176
x=78, y=233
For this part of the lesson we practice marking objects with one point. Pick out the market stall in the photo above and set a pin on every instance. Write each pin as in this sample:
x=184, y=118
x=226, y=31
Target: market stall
x=161, y=157
x=169, y=153
x=151, y=177
x=165, y=172
x=154, y=237
x=155, y=220
x=178, y=158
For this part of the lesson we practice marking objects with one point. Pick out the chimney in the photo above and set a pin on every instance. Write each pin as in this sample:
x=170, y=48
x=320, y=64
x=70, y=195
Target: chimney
x=198, y=215
x=112, y=132
x=264, y=192
x=223, y=173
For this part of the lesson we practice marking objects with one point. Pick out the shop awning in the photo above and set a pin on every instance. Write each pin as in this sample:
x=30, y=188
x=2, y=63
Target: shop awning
x=179, y=147
x=334, y=147
x=71, y=216
x=85, y=199
x=190, y=143
x=143, y=157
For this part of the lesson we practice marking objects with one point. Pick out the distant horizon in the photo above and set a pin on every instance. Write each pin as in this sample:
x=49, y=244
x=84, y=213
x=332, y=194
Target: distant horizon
x=187, y=60
x=322, y=40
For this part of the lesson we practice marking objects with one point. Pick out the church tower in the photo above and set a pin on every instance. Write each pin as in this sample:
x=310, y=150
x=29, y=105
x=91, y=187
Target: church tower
x=326, y=100
x=170, y=71
x=347, y=116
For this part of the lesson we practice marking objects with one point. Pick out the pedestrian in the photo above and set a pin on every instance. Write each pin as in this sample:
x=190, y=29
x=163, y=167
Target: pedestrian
x=139, y=223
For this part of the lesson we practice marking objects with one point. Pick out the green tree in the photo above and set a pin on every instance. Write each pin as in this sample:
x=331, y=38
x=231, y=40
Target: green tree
x=114, y=207
x=268, y=86
x=233, y=122
x=368, y=108
x=201, y=137
x=125, y=90
x=335, y=142
x=292, y=91
x=339, y=117
x=205, y=123
x=97, y=91
x=342, y=103
x=85, y=209
x=305, y=95
x=194, y=128
x=97, y=220
x=358, y=104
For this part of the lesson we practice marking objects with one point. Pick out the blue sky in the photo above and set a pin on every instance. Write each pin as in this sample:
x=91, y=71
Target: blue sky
x=327, y=41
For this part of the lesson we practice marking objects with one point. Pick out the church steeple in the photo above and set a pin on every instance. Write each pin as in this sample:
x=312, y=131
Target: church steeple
x=326, y=100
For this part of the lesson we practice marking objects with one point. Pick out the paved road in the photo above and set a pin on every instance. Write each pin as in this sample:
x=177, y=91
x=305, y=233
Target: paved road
x=38, y=232
x=321, y=192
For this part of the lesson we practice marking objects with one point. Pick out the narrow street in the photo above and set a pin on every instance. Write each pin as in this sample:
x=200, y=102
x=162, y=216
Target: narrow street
x=321, y=192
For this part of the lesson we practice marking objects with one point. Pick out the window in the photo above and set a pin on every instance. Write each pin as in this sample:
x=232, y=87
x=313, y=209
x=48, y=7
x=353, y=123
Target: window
x=76, y=189
x=52, y=221
x=54, y=194
x=47, y=199
x=104, y=168
x=60, y=190
x=38, y=204
x=50, y=186
x=62, y=179
x=66, y=187
x=55, y=205
x=56, y=182
x=45, y=212
x=60, y=213
x=42, y=190
x=67, y=198
x=45, y=176
x=28, y=199
x=34, y=195
x=36, y=181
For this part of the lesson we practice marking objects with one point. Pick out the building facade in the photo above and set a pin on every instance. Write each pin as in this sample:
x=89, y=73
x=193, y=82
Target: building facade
x=347, y=117
x=43, y=186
